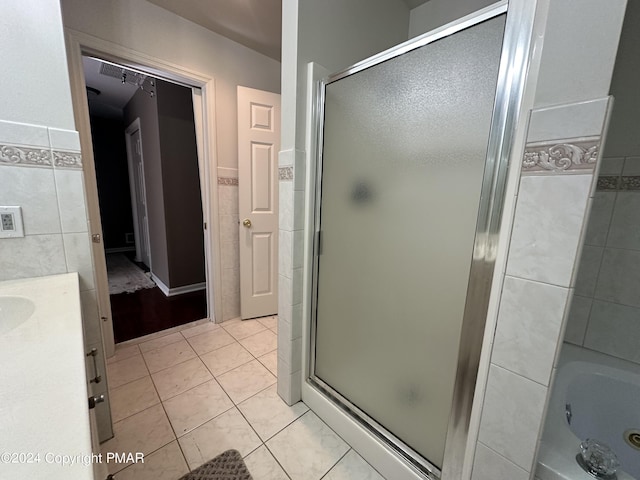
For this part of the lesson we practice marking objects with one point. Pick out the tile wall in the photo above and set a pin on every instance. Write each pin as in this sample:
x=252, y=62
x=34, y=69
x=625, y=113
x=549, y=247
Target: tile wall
x=291, y=174
x=605, y=311
x=229, y=241
x=41, y=171
x=556, y=186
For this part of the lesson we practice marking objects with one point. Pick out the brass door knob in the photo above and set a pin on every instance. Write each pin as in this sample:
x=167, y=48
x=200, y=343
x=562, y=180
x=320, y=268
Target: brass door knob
x=247, y=223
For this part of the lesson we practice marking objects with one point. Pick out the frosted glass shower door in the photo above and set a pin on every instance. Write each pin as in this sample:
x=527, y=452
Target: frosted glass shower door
x=404, y=149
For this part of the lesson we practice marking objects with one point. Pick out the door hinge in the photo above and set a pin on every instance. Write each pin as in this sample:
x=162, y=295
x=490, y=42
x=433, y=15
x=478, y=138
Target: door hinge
x=205, y=225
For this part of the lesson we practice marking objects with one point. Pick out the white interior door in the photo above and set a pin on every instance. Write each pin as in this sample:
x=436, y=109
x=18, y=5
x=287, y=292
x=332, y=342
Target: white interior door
x=138, y=193
x=258, y=147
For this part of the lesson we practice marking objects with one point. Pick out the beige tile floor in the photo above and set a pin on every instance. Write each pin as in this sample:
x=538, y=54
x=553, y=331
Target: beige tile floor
x=183, y=397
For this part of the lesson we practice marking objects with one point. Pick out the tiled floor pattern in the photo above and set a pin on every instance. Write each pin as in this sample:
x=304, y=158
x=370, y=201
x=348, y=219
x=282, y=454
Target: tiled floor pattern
x=187, y=396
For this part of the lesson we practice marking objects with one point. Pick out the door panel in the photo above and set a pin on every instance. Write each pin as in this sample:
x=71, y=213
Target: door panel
x=262, y=261
x=404, y=151
x=262, y=166
x=258, y=147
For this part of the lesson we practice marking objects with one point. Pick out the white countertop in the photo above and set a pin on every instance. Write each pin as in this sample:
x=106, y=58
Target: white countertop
x=43, y=390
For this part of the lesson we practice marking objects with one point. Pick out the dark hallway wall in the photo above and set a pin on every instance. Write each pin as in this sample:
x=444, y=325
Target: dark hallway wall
x=172, y=183
x=112, y=175
x=145, y=107
x=181, y=180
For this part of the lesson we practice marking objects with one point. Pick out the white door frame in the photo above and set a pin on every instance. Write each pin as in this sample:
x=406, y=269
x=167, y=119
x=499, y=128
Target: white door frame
x=140, y=239
x=79, y=43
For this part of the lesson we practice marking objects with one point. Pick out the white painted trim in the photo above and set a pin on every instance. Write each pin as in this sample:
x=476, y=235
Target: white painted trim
x=195, y=287
x=208, y=187
x=132, y=192
x=81, y=116
x=171, y=292
x=119, y=250
x=214, y=260
x=161, y=285
x=79, y=43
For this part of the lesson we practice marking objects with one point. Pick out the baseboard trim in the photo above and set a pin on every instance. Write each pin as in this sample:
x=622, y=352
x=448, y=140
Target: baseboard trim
x=170, y=292
x=120, y=250
x=163, y=288
x=188, y=288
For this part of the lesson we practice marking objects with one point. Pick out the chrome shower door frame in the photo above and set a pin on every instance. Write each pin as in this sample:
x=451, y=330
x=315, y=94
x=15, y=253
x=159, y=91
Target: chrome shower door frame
x=512, y=73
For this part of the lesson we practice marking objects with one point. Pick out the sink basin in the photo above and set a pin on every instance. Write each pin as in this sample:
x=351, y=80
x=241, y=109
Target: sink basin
x=14, y=311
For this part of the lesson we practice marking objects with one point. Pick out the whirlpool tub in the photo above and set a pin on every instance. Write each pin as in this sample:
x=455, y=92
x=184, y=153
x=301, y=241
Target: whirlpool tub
x=594, y=396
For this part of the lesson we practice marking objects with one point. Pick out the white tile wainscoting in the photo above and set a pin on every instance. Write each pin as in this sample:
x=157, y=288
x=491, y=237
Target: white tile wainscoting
x=291, y=173
x=229, y=241
x=41, y=171
x=606, y=305
x=553, y=199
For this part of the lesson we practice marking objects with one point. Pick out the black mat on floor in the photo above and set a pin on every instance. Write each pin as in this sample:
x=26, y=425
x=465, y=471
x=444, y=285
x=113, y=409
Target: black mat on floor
x=226, y=466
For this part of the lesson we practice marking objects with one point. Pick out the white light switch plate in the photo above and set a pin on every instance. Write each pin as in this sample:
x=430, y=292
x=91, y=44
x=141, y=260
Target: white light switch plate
x=11, y=222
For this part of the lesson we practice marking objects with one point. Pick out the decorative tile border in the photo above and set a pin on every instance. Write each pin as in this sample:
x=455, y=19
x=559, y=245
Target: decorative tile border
x=67, y=159
x=572, y=155
x=231, y=181
x=25, y=156
x=618, y=184
x=608, y=184
x=20, y=156
x=630, y=183
x=285, y=173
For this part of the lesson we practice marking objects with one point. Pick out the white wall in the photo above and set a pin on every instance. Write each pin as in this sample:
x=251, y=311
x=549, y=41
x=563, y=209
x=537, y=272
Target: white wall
x=336, y=34
x=33, y=75
x=149, y=29
x=624, y=131
x=436, y=13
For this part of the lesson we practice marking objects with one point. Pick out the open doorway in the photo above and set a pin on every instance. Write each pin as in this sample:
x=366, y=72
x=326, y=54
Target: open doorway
x=149, y=193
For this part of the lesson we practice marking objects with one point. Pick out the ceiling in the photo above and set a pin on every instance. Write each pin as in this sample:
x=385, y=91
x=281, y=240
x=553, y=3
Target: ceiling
x=114, y=94
x=414, y=3
x=256, y=24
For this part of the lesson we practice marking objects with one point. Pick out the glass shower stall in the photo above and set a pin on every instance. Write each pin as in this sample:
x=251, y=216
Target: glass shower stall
x=412, y=150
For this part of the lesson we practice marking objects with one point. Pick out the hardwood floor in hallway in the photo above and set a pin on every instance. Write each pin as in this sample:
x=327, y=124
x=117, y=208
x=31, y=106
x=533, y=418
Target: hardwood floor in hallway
x=149, y=310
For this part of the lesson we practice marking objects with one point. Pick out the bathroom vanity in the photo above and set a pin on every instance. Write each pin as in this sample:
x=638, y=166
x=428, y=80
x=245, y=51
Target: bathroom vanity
x=45, y=427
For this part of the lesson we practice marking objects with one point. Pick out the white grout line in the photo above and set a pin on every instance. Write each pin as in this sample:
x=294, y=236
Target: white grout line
x=235, y=405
